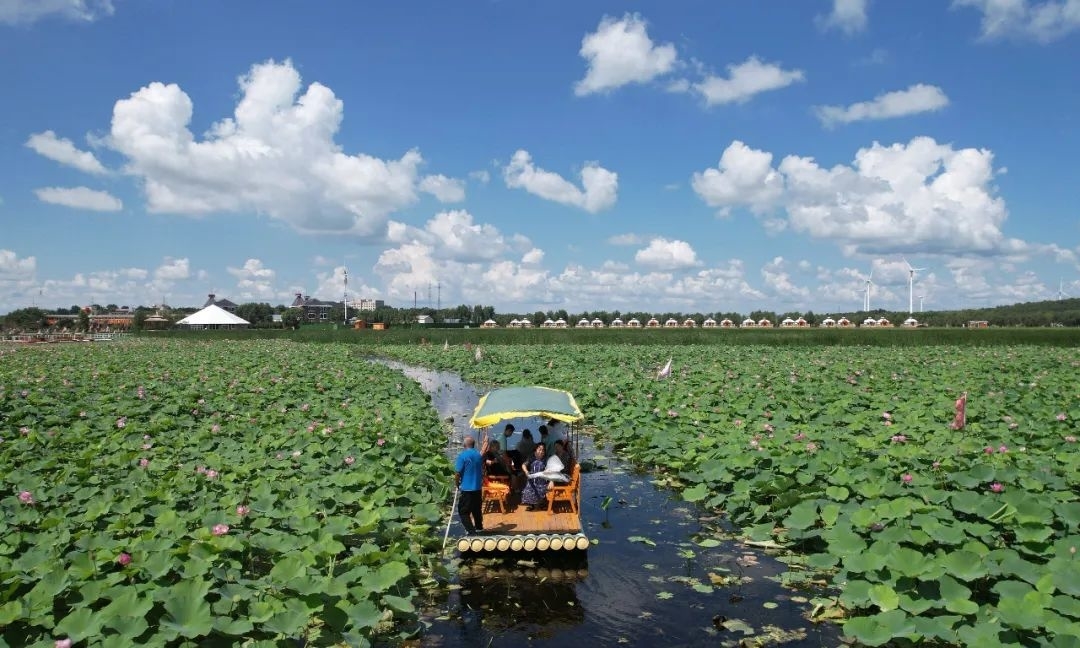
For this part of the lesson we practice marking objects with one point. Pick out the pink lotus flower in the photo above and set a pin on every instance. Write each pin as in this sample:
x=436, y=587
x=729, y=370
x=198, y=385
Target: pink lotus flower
x=121, y=422
x=1003, y=449
x=737, y=422
x=1061, y=416
x=62, y=643
x=1070, y=439
x=144, y=462
x=988, y=450
x=146, y=446
x=800, y=436
x=899, y=438
x=146, y=437
x=381, y=442
x=82, y=414
x=906, y=478
x=215, y=428
x=124, y=559
x=296, y=453
x=960, y=416
x=280, y=456
x=811, y=447
x=887, y=416
x=242, y=510
x=305, y=407
x=936, y=465
x=26, y=497
x=220, y=529
x=211, y=474
x=997, y=487
x=200, y=469
x=349, y=461
x=768, y=427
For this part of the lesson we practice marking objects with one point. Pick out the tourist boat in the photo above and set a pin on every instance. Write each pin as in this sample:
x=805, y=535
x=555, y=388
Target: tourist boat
x=556, y=524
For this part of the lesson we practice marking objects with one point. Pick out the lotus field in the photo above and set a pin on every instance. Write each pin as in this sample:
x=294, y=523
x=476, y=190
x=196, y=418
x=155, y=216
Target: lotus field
x=847, y=458
x=191, y=493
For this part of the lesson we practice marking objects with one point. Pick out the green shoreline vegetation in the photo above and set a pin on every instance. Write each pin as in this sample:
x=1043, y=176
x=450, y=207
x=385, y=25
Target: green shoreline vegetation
x=216, y=484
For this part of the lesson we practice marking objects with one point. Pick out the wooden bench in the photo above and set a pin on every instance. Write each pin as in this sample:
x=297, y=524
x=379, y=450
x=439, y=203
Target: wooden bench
x=497, y=490
x=568, y=492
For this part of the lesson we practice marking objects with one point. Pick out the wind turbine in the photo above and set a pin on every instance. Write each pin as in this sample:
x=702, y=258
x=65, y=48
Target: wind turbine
x=1061, y=290
x=921, y=298
x=911, y=286
x=866, y=297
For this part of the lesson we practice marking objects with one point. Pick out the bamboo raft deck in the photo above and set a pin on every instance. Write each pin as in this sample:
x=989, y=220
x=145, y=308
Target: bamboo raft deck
x=519, y=529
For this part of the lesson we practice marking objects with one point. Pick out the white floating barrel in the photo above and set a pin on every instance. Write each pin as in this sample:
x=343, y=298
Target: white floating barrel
x=477, y=544
x=489, y=544
x=516, y=544
x=543, y=543
x=502, y=544
x=463, y=544
x=582, y=543
x=529, y=543
x=557, y=543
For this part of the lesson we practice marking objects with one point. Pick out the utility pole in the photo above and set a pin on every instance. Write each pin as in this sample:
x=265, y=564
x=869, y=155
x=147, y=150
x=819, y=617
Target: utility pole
x=346, y=273
x=439, y=305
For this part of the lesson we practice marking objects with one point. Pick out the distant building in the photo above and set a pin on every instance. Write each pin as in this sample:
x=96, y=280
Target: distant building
x=315, y=310
x=425, y=319
x=223, y=304
x=368, y=304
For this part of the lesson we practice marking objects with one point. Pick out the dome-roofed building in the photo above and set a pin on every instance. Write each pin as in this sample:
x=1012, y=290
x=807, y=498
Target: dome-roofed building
x=514, y=323
x=869, y=322
x=787, y=323
x=748, y=323
x=490, y=324
x=560, y=323
x=844, y=322
x=526, y=323
x=652, y=323
x=548, y=323
x=828, y=322
x=597, y=323
x=617, y=323
x=583, y=323
x=671, y=323
x=884, y=323
x=801, y=323
x=764, y=323
x=634, y=323
x=726, y=323
x=910, y=322
x=709, y=323
x=689, y=323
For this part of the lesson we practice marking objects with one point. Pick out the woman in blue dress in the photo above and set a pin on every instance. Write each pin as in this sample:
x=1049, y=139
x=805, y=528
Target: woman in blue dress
x=535, y=490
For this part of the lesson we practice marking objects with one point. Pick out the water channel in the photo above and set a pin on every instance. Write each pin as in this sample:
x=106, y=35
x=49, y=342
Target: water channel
x=646, y=580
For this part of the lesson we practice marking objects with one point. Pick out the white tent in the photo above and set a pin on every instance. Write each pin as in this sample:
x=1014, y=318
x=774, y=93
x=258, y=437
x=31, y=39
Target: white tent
x=213, y=317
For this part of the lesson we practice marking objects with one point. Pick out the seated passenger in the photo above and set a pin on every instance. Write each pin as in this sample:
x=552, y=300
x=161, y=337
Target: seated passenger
x=535, y=490
x=565, y=455
x=495, y=461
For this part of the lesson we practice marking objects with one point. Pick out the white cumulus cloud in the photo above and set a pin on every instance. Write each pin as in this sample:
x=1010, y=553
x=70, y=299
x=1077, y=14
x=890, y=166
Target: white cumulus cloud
x=445, y=190
x=255, y=282
x=918, y=98
x=173, y=270
x=454, y=235
x=849, y=16
x=276, y=156
x=620, y=52
x=752, y=76
x=890, y=199
x=80, y=198
x=62, y=150
x=599, y=186
x=1043, y=21
x=665, y=254
x=744, y=176
x=24, y=12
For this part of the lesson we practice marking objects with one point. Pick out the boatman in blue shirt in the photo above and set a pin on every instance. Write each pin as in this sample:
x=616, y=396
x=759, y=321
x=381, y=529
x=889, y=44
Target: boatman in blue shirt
x=469, y=477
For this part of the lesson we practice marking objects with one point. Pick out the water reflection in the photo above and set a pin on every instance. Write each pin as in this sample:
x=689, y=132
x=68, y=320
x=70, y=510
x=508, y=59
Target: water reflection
x=645, y=583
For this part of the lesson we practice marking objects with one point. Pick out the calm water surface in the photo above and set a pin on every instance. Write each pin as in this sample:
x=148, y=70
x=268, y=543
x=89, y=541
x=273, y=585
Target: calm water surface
x=645, y=582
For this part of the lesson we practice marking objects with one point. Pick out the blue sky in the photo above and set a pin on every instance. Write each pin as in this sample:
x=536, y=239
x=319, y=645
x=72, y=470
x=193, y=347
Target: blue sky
x=692, y=156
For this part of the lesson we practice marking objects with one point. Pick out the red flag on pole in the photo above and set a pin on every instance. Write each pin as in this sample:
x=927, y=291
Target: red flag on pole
x=960, y=418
